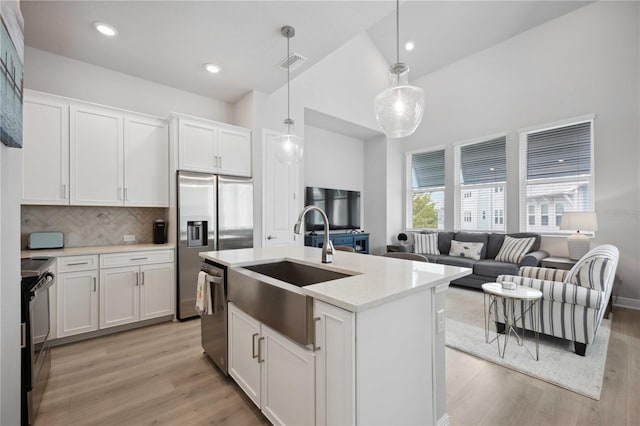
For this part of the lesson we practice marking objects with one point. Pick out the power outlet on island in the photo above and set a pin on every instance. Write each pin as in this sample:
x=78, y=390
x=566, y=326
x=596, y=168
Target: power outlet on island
x=129, y=238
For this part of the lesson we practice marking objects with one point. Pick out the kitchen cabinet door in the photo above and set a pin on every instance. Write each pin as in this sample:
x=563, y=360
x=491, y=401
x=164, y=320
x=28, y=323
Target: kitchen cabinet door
x=197, y=146
x=77, y=302
x=288, y=380
x=234, y=152
x=335, y=365
x=45, y=154
x=157, y=290
x=119, y=296
x=146, y=165
x=244, y=356
x=96, y=156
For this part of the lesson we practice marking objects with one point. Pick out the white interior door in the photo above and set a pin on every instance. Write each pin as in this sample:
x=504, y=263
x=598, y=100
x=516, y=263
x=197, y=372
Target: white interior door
x=279, y=202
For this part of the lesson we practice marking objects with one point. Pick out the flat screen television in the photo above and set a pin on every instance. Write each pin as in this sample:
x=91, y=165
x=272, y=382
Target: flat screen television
x=341, y=206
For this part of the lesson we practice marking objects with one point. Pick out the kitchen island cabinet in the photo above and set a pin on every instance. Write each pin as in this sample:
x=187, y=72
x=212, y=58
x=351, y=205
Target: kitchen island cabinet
x=378, y=351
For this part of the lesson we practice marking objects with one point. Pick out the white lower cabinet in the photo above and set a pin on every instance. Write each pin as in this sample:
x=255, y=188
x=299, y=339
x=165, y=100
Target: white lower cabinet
x=77, y=302
x=135, y=293
x=335, y=365
x=276, y=373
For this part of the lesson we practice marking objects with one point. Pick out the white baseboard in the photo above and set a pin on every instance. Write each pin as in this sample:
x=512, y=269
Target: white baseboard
x=443, y=421
x=626, y=302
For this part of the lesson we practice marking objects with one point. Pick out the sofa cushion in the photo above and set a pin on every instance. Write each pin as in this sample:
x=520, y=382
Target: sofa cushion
x=465, y=262
x=493, y=268
x=473, y=237
x=494, y=244
x=464, y=249
x=425, y=243
x=444, y=241
x=514, y=249
x=536, y=243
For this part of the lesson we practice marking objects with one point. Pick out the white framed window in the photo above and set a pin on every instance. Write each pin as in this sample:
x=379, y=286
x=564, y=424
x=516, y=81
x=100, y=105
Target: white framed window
x=556, y=172
x=480, y=177
x=425, y=189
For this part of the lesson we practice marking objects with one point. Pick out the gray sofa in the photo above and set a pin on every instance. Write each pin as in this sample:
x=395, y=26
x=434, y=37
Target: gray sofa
x=487, y=268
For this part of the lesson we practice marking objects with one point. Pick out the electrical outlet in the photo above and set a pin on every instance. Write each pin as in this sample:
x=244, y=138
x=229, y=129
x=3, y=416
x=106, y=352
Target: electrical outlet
x=129, y=238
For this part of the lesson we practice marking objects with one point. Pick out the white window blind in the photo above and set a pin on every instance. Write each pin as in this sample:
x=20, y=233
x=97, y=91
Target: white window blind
x=425, y=204
x=556, y=174
x=481, y=186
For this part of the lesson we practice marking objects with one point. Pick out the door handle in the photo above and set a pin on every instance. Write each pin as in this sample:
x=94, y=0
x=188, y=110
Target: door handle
x=271, y=237
x=260, y=360
x=253, y=346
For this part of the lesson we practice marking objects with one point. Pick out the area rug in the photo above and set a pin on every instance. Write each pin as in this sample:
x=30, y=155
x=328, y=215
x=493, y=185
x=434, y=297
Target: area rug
x=558, y=362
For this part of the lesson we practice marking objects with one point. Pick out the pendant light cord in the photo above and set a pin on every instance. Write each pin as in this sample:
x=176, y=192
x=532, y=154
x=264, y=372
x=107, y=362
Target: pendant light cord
x=397, y=31
x=288, y=80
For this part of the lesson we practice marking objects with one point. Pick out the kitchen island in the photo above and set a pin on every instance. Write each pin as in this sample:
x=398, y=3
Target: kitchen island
x=377, y=355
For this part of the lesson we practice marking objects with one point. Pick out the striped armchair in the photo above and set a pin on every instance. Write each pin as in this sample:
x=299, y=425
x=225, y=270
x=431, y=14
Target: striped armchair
x=573, y=302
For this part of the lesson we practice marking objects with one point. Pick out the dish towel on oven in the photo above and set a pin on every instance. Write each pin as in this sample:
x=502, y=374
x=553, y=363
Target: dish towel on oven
x=203, y=295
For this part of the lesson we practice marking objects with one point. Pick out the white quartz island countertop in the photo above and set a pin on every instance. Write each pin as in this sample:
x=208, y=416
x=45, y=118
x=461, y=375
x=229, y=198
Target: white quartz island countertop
x=374, y=280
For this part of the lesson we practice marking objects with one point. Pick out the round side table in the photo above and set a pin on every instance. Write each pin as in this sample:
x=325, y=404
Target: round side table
x=528, y=297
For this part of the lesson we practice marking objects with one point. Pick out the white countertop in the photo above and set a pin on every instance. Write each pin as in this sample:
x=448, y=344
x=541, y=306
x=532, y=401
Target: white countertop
x=76, y=251
x=379, y=279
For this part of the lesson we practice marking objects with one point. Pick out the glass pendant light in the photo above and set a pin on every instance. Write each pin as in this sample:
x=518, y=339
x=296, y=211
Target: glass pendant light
x=399, y=109
x=288, y=146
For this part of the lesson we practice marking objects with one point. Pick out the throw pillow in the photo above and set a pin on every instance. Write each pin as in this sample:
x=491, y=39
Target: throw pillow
x=514, y=249
x=425, y=243
x=464, y=249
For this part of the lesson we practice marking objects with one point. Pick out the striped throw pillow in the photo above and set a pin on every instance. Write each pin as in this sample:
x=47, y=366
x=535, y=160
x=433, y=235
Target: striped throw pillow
x=514, y=249
x=425, y=243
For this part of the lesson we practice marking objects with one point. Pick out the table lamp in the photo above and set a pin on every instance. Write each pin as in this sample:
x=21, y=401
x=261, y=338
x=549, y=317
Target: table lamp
x=578, y=244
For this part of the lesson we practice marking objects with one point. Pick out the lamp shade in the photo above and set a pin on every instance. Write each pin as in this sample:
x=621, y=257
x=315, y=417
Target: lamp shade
x=579, y=221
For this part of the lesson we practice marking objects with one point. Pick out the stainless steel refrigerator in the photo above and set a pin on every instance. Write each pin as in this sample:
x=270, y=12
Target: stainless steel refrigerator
x=214, y=213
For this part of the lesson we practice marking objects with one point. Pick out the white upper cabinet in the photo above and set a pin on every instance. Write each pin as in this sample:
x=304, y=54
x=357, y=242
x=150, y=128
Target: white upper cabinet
x=210, y=147
x=146, y=162
x=45, y=154
x=97, y=158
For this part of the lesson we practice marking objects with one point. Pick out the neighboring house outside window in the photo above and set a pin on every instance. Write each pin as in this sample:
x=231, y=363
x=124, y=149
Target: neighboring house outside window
x=556, y=173
x=425, y=189
x=498, y=217
x=480, y=171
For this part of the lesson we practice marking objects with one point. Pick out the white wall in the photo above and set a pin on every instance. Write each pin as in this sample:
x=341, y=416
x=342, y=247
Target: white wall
x=581, y=63
x=375, y=193
x=50, y=73
x=333, y=160
x=10, y=191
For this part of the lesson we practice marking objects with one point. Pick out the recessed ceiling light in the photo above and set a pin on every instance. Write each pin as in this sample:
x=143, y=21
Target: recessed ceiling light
x=409, y=46
x=105, y=29
x=213, y=69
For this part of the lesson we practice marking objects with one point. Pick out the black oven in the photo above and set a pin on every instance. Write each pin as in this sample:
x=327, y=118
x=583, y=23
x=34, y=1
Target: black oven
x=37, y=278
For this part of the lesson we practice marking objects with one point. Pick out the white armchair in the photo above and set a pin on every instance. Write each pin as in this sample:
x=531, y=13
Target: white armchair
x=573, y=302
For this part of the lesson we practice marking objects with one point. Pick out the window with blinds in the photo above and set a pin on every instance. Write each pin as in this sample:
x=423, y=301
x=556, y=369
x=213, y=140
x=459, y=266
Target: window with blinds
x=482, y=176
x=425, y=201
x=555, y=174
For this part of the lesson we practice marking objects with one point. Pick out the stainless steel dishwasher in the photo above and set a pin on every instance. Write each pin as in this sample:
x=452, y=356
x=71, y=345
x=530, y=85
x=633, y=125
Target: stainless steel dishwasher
x=214, y=326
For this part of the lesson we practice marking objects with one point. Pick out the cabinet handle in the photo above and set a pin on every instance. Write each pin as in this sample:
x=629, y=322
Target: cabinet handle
x=315, y=347
x=253, y=345
x=77, y=263
x=260, y=360
x=270, y=237
x=126, y=193
x=120, y=193
x=64, y=191
x=94, y=284
x=139, y=258
x=220, y=162
x=137, y=279
x=23, y=330
x=142, y=278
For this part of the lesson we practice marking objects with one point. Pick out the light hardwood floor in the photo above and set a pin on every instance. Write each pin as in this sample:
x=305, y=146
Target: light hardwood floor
x=158, y=375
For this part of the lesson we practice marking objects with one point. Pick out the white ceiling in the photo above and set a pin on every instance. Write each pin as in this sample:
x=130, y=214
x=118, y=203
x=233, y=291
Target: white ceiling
x=169, y=41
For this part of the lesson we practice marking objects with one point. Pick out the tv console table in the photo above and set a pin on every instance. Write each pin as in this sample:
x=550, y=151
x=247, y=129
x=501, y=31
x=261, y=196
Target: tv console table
x=359, y=241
